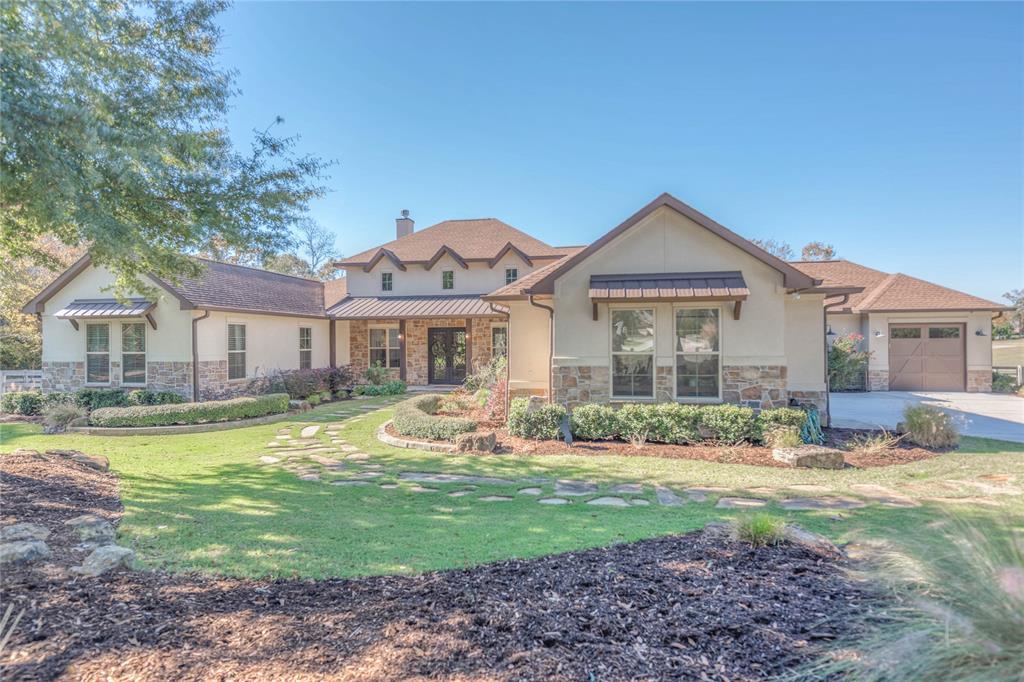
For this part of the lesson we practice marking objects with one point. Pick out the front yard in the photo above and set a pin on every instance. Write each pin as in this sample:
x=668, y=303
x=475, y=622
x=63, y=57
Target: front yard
x=207, y=502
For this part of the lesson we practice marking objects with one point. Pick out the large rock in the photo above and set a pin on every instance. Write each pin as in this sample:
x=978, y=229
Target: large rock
x=97, y=462
x=92, y=528
x=810, y=456
x=103, y=559
x=24, y=531
x=23, y=552
x=799, y=536
x=478, y=441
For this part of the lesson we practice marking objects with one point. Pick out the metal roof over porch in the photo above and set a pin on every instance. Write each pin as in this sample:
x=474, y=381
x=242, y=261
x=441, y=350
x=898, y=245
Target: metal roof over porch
x=407, y=307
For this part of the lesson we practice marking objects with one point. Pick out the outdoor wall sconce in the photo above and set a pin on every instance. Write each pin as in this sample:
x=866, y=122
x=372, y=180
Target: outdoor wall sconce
x=979, y=332
x=830, y=332
x=878, y=334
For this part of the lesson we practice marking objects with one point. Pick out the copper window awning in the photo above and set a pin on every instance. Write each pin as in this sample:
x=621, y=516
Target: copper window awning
x=674, y=286
x=106, y=309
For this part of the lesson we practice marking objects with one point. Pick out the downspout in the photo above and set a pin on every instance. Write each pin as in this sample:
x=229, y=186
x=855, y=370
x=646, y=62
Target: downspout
x=507, y=312
x=195, y=356
x=824, y=322
x=551, y=344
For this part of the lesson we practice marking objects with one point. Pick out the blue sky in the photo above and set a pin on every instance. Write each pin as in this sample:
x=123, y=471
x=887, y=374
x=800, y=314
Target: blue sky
x=893, y=131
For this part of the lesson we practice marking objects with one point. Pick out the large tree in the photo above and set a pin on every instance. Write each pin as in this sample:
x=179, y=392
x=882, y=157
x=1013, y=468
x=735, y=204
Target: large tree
x=779, y=249
x=317, y=244
x=113, y=136
x=818, y=251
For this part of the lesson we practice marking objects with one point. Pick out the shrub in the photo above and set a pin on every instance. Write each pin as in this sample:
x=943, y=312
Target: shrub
x=95, y=398
x=541, y=423
x=58, y=416
x=594, y=422
x=760, y=530
x=495, y=405
x=636, y=421
x=313, y=399
x=191, y=413
x=929, y=427
x=675, y=423
x=1003, y=383
x=392, y=387
x=846, y=364
x=376, y=374
x=325, y=396
x=487, y=375
x=144, y=397
x=873, y=443
x=27, y=403
x=728, y=423
x=416, y=417
x=59, y=398
x=771, y=419
x=782, y=437
x=481, y=396
x=301, y=383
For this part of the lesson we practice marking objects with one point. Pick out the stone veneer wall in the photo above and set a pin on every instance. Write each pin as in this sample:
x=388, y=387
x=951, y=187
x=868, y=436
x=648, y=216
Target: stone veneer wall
x=979, y=381
x=160, y=376
x=63, y=376
x=170, y=376
x=214, y=384
x=878, y=380
x=759, y=386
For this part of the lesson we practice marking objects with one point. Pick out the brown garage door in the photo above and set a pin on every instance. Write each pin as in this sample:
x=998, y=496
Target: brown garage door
x=926, y=357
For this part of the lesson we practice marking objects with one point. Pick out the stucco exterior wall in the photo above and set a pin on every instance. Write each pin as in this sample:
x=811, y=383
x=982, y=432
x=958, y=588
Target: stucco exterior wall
x=529, y=346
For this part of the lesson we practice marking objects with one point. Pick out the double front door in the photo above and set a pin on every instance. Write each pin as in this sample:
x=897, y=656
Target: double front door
x=446, y=361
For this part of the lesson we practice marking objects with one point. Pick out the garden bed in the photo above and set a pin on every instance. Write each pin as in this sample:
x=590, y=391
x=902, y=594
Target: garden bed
x=673, y=607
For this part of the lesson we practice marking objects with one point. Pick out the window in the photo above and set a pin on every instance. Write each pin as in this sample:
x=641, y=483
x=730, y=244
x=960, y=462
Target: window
x=632, y=353
x=698, y=362
x=943, y=332
x=499, y=341
x=97, y=353
x=133, y=353
x=386, y=281
x=384, y=348
x=448, y=279
x=305, y=347
x=906, y=332
x=236, y=351
x=511, y=275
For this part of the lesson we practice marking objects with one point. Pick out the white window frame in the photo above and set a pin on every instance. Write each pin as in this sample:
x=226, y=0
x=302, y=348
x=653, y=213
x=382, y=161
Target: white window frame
x=499, y=325
x=443, y=274
x=676, y=353
x=511, y=275
x=243, y=351
x=88, y=353
x=387, y=347
x=308, y=350
x=143, y=353
x=391, y=280
x=612, y=353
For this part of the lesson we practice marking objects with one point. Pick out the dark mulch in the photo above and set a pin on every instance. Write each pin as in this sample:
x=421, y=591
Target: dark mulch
x=696, y=606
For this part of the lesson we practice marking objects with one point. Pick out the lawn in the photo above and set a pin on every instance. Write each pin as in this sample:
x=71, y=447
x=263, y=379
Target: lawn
x=204, y=502
x=1008, y=353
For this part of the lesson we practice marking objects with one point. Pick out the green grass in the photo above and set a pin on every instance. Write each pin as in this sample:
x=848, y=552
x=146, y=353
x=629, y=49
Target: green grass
x=202, y=502
x=1008, y=353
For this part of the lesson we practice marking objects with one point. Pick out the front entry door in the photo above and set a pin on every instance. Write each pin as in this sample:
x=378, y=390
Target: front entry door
x=447, y=356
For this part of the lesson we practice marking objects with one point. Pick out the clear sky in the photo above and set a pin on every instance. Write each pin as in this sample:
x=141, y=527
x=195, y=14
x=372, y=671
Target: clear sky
x=893, y=131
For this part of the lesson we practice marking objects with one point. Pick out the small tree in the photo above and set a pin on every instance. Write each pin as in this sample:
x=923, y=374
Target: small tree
x=1016, y=299
x=818, y=251
x=847, y=364
x=776, y=248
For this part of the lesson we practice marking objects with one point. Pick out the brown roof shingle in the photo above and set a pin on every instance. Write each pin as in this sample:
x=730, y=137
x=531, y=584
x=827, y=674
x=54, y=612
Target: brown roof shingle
x=476, y=239
x=334, y=291
x=891, y=292
x=518, y=288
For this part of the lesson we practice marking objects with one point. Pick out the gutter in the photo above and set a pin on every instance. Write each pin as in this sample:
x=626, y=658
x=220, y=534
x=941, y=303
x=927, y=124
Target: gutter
x=551, y=343
x=508, y=351
x=843, y=300
x=195, y=356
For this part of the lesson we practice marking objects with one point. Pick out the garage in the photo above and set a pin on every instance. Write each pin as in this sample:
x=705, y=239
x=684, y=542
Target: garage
x=927, y=357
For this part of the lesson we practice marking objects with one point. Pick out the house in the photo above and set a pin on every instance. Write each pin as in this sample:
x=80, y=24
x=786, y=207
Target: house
x=668, y=305
x=921, y=336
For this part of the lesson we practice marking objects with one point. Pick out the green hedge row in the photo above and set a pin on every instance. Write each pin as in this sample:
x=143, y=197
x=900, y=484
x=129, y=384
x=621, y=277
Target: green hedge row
x=415, y=417
x=392, y=387
x=191, y=413
x=33, y=402
x=661, y=422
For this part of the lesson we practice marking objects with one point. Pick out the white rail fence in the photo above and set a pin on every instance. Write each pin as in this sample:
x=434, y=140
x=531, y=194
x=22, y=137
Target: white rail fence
x=1016, y=372
x=13, y=380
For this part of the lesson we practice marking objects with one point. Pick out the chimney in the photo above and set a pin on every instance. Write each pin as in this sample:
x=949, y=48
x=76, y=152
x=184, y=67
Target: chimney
x=404, y=224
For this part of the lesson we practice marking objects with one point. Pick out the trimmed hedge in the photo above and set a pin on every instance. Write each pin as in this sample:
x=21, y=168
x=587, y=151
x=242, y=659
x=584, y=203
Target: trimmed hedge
x=392, y=387
x=27, y=403
x=779, y=418
x=594, y=422
x=95, y=398
x=727, y=423
x=416, y=417
x=540, y=424
x=191, y=413
x=147, y=397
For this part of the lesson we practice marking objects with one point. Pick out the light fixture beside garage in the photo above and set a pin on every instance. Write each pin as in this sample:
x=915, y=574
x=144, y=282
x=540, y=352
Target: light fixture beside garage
x=878, y=334
x=979, y=332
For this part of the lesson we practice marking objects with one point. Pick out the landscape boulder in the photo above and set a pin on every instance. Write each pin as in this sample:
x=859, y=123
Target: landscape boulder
x=97, y=462
x=22, y=552
x=24, y=531
x=104, y=559
x=92, y=528
x=810, y=456
x=477, y=441
x=799, y=536
x=299, y=405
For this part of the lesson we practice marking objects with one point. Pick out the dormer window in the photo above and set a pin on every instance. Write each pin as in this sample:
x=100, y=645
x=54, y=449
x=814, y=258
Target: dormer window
x=511, y=275
x=386, y=281
x=448, y=279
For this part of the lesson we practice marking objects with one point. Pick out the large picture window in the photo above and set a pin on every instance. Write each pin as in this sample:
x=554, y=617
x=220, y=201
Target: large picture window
x=236, y=351
x=305, y=347
x=384, y=348
x=133, y=353
x=97, y=353
x=499, y=341
x=632, y=353
x=698, y=356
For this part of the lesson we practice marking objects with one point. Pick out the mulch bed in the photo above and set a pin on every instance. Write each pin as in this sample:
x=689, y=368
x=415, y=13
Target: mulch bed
x=697, y=606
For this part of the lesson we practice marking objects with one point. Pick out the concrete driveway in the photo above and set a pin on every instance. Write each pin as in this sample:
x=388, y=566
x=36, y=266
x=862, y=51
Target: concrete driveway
x=990, y=415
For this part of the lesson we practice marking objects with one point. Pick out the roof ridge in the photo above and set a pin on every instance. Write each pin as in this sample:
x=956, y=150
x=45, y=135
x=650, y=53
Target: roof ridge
x=877, y=292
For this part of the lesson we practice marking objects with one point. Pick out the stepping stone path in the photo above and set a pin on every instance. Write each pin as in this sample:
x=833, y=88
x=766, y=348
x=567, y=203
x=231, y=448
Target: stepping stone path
x=357, y=456
x=815, y=503
x=495, y=498
x=309, y=431
x=887, y=497
x=667, y=498
x=459, y=493
x=809, y=488
x=351, y=483
x=628, y=489
x=530, y=491
x=451, y=478
x=639, y=503
x=345, y=447
x=389, y=486
x=553, y=500
x=309, y=477
x=739, y=503
x=608, y=502
x=267, y=459
x=423, y=489
x=575, y=488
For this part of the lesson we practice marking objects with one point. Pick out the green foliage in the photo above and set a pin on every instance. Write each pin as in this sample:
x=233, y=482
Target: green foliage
x=416, y=418
x=60, y=398
x=929, y=427
x=636, y=421
x=594, y=422
x=486, y=376
x=313, y=399
x=1003, y=383
x=26, y=403
x=774, y=418
x=114, y=136
x=1002, y=331
x=145, y=397
x=390, y=387
x=760, y=530
x=846, y=364
x=675, y=423
x=376, y=374
x=729, y=423
x=95, y=398
x=541, y=423
x=58, y=416
x=782, y=437
x=481, y=396
x=301, y=383
x=190, y=413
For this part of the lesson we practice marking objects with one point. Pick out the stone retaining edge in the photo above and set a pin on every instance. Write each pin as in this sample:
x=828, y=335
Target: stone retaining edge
x=385, y=437
x=176, y=428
